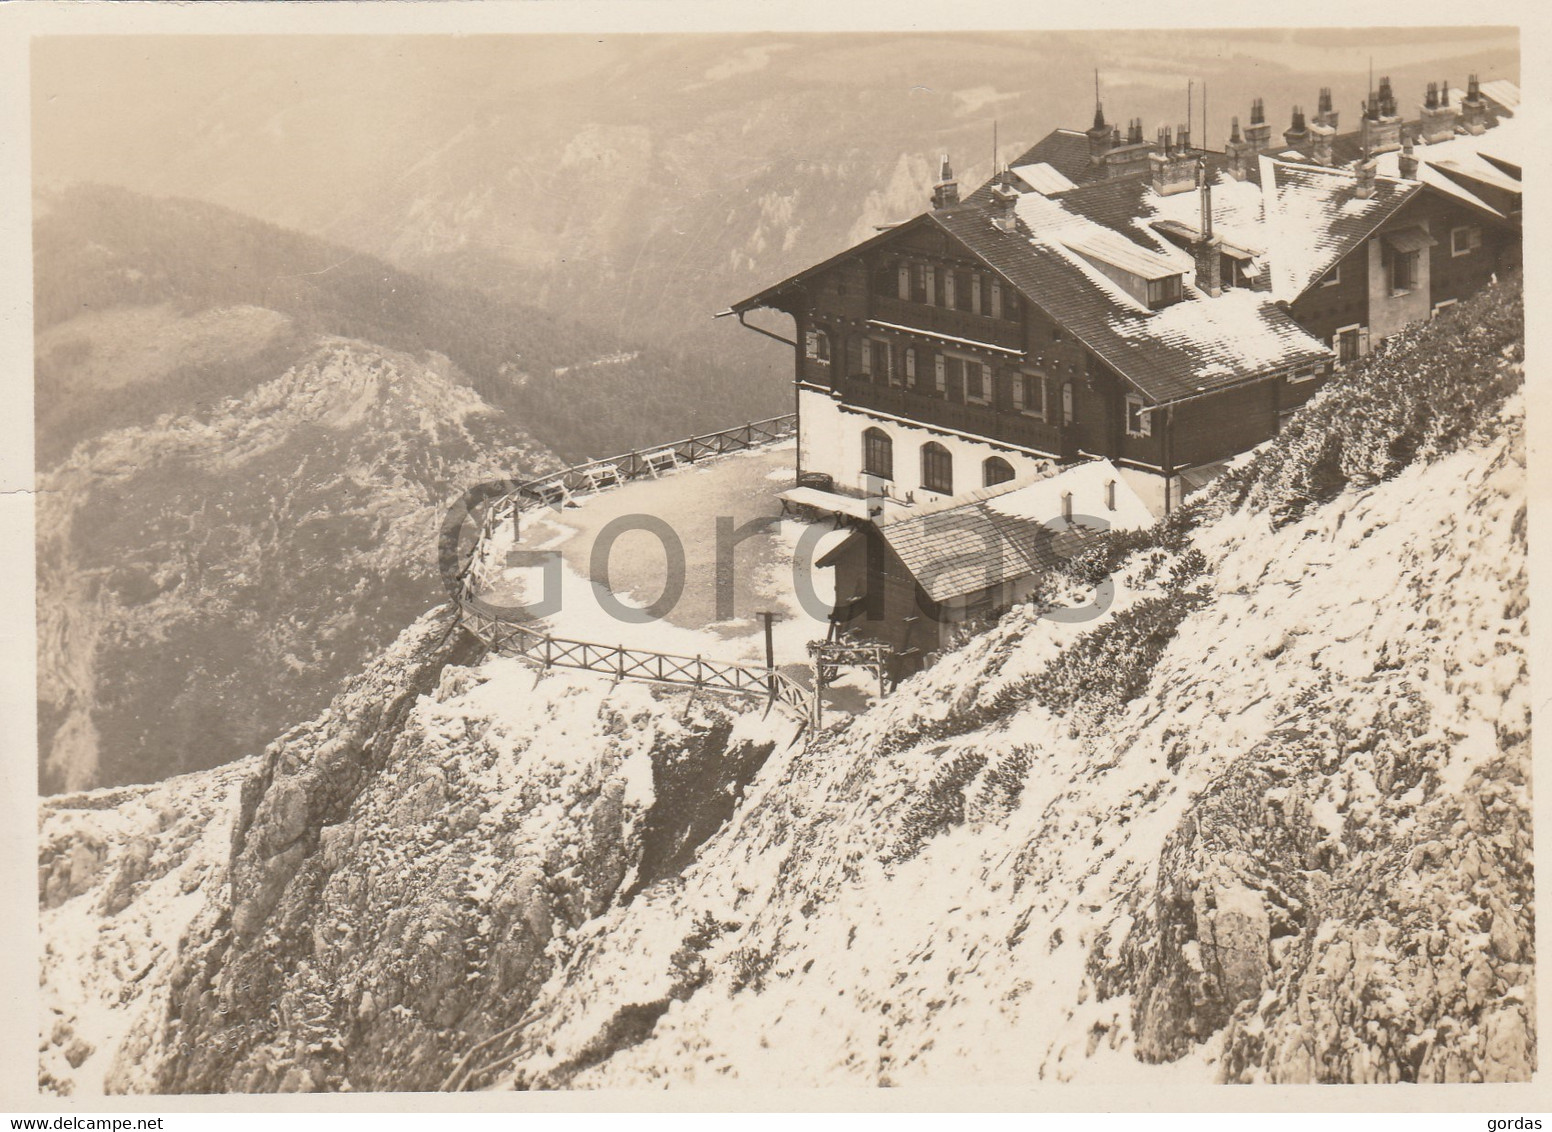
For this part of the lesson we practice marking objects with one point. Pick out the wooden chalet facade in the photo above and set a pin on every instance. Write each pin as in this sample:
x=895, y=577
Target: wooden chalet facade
x=1155, y=304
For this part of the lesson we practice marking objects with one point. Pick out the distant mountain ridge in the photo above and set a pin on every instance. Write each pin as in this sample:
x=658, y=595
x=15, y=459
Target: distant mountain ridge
x=245, y=439
x=99, y=248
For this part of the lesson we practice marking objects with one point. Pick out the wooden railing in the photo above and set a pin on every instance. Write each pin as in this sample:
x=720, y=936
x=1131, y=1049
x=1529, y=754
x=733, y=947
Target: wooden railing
x=523, y=639
x=513, y=638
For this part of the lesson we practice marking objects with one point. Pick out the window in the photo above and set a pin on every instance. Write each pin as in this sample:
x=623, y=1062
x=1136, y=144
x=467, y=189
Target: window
x=1139, y=421
x=937, y=470
x=1465, y=240
x=903, y=281
x=878, y=454
x=1442, y=306
x=883, y=360
x=1162, y=292
x=1333, y=277
x=1028, y=394
x=964, y=284
x=1299, y=377
x=818, y=346
x=1348, y=344
x=910, y=366
x=976, y=383
x=940, y=374
x=918, y=283
x=996, y=470
x=884, y=279
x=1403, y=272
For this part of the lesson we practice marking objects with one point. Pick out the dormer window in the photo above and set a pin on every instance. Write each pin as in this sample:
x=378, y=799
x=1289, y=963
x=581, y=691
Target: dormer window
x=1162, y=292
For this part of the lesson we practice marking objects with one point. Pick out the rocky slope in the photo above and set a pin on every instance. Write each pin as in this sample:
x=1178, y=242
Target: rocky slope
x=1266, y=818
x=210, y=576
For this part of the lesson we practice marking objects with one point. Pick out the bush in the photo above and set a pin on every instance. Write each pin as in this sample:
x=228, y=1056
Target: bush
x=940, y=806
x=1428, y=391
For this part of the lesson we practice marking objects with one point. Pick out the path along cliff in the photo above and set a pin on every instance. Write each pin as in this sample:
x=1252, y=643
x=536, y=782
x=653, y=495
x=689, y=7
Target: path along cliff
x=1265, y=819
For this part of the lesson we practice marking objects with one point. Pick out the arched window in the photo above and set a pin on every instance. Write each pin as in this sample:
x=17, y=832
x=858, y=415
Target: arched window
x=878, y=454
x=937, y=470
x=996, y=470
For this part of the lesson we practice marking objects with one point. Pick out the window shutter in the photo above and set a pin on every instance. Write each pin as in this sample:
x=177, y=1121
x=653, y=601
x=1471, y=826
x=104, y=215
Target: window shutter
x=996, y=299
x=910, y=364
x=939, y=376
x=1020, y=401
x=904, y=279
x=948, y=288
x=867, y=356
x=853, y=355
x=975, y=292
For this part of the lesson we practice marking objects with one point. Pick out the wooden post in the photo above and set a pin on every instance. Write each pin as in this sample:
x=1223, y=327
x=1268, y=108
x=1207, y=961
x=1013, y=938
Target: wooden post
x=770, y=652
x=620, y=661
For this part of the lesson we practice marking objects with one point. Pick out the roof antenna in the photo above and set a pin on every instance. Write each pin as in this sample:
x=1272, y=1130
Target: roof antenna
x=995, y=169
x=1190, y=87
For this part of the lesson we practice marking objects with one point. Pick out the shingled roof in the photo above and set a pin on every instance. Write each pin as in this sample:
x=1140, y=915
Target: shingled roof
x=1010, y=531
x=1190, y=347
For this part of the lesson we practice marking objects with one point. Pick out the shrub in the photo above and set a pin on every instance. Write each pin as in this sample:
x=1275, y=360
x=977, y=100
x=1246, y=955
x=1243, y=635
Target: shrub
x=940, y=806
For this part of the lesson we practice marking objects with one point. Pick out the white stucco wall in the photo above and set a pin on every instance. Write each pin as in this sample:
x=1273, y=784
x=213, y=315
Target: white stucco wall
x=830, y=441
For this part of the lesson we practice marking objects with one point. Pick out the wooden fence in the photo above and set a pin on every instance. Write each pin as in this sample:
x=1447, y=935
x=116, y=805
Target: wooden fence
x=513, y=638
x=521, y=639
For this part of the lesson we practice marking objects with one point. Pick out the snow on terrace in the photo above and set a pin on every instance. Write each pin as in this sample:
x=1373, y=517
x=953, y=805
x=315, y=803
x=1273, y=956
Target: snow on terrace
x=765, y=572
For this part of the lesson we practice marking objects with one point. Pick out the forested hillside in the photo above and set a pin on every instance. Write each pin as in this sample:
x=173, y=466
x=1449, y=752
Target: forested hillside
x=105, y=253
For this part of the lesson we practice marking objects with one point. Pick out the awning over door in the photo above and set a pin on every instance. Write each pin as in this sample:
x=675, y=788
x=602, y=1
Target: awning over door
x=1412, y=239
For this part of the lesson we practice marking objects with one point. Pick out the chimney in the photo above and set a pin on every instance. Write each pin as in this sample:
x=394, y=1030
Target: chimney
x=1322, y=148
x=1366, y=178
x=1241, y=154
x=1207, y=249
x=1387, y=99
x=1258, y=134
x=1473, y=108
x=1134, y=132
x=1183, y=136
x=1172, y=168
x=1099, y=132
x=1407, y=162
x=1296, y=136
x=1438, y=116
x=1380, y=130
x=1004, y=201
x=1326, y=116
x=945, y=194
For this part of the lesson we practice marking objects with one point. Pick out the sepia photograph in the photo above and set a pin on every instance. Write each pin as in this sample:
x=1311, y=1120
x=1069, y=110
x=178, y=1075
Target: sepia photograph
x=599, y=561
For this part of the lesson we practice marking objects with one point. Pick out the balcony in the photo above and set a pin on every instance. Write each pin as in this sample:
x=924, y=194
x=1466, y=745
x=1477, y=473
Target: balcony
x=955, y=323
x=981, y=420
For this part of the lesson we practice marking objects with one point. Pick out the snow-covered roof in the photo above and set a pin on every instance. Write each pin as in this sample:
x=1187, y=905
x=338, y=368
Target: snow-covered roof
x=1043, y=178
x=1315, y=216
x=1011, y=531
